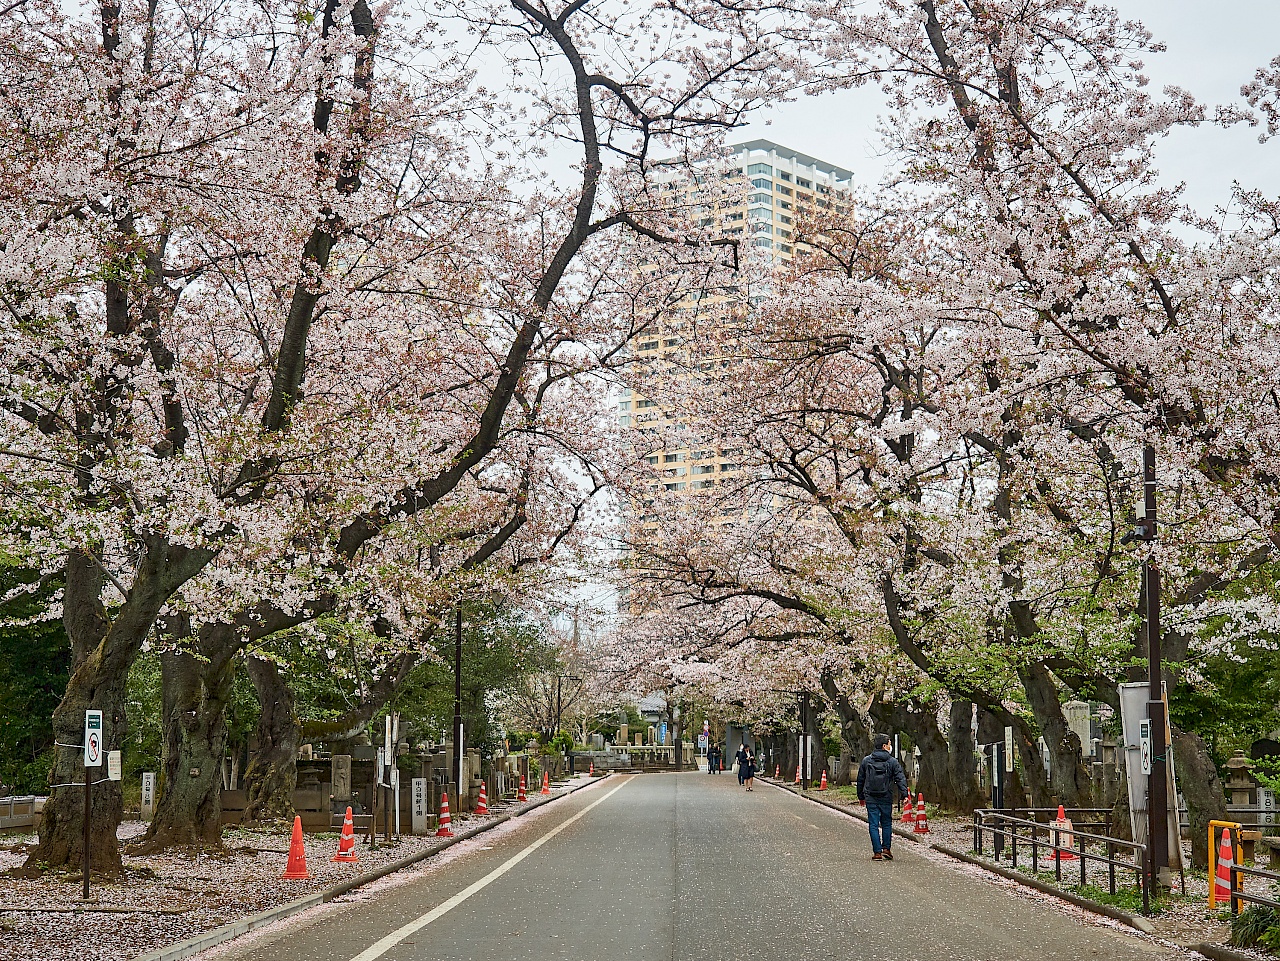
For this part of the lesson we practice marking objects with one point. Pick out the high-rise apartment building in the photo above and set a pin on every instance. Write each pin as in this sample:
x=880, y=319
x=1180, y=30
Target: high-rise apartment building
x=781, y=186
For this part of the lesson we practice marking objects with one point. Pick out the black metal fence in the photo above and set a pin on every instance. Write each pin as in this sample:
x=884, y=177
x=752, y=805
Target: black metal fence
x=1008, y=831
x=1239, y=872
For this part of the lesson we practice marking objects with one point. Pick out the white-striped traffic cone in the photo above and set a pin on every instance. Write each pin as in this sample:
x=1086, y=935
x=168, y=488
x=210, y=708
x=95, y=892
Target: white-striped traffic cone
x=445, y=820
x=482, y=805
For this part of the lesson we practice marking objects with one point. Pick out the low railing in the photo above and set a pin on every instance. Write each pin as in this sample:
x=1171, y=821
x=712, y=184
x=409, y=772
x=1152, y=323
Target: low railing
x=1086, y=818
x=1005, y=827
x=11, y=818
x=1239, y=872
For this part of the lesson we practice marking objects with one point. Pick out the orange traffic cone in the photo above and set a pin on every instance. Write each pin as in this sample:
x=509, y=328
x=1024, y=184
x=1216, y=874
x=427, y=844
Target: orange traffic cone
x=521, y=796
x=445, y=820
x=297, y=866
x=823, y=785
x=908, y=811
x=797, y=773
x=1066, y=838
x=922, y=819
x=482, y=805
x=777, y=772
x=592, y=770
x=1221, y=893
x=546, y=783
x=347, y=843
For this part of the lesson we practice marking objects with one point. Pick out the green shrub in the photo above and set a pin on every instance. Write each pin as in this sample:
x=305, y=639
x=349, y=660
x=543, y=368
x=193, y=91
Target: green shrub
x=1256, y=926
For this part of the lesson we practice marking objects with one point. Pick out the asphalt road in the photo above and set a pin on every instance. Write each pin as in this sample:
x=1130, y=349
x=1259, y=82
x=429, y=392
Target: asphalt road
x=675, y=867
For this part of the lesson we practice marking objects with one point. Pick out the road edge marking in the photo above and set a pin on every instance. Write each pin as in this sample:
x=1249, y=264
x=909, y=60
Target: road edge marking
x=385, y=944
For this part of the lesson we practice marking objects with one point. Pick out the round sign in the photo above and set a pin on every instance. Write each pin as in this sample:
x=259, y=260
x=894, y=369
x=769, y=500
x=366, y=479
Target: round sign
x=93, y=749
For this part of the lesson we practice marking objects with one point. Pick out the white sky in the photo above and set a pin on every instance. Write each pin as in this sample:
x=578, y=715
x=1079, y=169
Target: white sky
x=1214, y=46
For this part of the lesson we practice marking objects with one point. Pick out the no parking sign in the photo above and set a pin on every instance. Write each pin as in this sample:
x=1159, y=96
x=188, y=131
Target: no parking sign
x=93, y=739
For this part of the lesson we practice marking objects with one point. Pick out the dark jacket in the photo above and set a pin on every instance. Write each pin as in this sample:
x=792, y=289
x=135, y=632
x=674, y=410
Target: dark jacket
x=896, y=776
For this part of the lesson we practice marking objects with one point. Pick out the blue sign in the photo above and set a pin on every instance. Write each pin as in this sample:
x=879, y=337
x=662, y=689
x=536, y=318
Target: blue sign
x=662, y=733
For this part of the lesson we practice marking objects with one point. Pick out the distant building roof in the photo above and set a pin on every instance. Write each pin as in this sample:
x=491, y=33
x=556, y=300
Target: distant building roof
x=840, y=173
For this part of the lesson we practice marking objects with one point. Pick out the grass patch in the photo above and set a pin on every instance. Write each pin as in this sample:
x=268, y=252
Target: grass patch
x=1127, y=898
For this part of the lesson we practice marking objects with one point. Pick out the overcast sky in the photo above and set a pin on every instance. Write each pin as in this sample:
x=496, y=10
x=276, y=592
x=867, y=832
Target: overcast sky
x=1214, y=46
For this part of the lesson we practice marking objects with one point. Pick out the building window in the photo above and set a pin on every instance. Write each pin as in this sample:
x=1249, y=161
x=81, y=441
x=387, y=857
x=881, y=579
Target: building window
x=763, y=242
x=702, y=485
x=671, y=342
x=760, y=169
x=783, y=175
x=801, y=182
x=783, y=218
x=784, y=205
x=728, y=467
x=652, y=459
x=674, y=487
x=762, y=229
x=784, y=190
x=624, y=420
x=760, y=199
x=624, y=405
x=641, y=404
x=762, y=183
x=763, y=216
x=649, y=345
x=704, y=468
x=672, y=458
x=785, y=248
x=736, y=215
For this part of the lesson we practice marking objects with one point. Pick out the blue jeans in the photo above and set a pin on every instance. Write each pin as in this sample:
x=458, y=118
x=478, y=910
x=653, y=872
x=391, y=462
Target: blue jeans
x=880, y=822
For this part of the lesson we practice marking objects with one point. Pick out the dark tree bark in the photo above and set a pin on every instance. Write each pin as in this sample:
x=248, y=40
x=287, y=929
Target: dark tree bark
x=1206, y=799
x=961, y=762
x=855, y=732
x=103, y=650
x=1069, y=779
x=196, y=689
x=272, y=772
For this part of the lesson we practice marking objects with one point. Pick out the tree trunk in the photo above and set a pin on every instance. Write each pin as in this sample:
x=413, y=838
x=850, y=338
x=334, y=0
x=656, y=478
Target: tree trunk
x=1068, y=777
x=103, y=651
x=196, y=688
x=1198, y=779
x=918, y=721
x=98, y=684
x=962, y=764
x=855, y=732
x=272, y=773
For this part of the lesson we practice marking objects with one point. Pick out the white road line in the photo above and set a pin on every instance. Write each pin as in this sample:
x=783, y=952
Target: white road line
x=380, y=948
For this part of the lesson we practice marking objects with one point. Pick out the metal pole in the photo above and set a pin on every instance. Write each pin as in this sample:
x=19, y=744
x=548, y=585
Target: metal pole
x=457, y=705
x=1157, y=783
x=805, y=761
x=88, y=814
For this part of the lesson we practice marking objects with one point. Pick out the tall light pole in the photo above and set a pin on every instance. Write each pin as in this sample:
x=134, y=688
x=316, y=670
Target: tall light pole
x=457, y=704
x=1157, y=782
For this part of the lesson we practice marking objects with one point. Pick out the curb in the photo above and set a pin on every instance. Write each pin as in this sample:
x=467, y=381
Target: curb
x=1217, y=952
x=1135, y=922
x=856, y=815
x=227, y=932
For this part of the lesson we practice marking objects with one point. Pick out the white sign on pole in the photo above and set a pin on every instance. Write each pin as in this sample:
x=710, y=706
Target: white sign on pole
x=1144, y=741
x=148, y=795
x=1008, y=750
x=93, y=739
x=395, y=790
x=1267, y=802
x=421, y=812
x=113, y=765
x=382, y=768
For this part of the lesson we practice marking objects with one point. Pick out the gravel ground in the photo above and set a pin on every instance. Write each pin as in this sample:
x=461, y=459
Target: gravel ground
x=169, y=897
x=1183, y=920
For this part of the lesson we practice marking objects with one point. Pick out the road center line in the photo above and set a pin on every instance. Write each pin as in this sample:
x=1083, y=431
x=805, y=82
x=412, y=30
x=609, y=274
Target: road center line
x=381, y=947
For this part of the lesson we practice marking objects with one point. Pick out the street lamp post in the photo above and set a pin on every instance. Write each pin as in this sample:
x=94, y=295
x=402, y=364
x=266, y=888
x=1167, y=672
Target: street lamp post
x=457, y=705
x=1157, y=783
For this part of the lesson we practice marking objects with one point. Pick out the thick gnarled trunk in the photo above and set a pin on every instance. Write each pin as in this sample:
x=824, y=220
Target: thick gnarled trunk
x=103, y=651
x=196, y=689
x=272, y=774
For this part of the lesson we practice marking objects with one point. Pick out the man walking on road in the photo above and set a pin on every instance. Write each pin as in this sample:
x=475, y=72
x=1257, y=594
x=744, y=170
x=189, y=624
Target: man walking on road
x=879, y=773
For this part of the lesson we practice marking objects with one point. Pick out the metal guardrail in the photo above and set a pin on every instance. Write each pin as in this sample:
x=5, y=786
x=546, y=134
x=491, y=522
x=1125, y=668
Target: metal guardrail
x=1239, y=871
x=1005, y=827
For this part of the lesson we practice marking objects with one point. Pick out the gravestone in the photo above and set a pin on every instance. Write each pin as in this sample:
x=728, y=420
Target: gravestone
x=148, y=795
x=340, y=778
x=623, y=735
x=1077, y=715
x=420, y=805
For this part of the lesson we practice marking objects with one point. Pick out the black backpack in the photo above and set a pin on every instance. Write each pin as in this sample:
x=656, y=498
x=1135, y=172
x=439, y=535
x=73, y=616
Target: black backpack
x=877, y=783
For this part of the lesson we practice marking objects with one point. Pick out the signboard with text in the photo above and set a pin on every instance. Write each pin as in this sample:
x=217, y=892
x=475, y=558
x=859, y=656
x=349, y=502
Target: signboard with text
x=93, y=739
